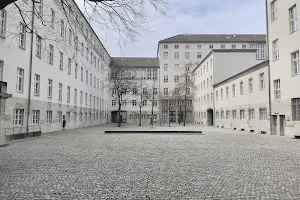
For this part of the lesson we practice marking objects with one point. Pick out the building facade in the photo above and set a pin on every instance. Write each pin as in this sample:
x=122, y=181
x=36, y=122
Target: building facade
x=141, y=100
x=242, y=102
x=217, y=66
x=283, y=37
x=69, y=68
x=178, y=52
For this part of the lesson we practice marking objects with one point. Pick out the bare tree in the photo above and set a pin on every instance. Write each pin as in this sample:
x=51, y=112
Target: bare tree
x=141, y=95
x=120, y=84
x=185, y=88
x=125, y=18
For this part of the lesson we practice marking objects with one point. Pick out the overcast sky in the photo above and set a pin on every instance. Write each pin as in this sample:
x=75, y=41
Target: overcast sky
x=196, y=17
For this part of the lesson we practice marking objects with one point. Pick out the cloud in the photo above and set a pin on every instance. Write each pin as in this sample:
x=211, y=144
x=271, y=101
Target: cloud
x=197, y=17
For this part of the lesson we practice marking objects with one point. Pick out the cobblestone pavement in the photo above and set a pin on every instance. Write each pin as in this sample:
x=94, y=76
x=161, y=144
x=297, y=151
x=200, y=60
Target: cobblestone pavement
x=88, y=164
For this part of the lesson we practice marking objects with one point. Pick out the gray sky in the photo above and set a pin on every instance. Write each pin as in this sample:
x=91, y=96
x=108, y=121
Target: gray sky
x=196, y=17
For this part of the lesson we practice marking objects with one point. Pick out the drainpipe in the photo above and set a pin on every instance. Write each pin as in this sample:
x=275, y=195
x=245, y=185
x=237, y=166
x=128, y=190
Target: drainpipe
x=30, y=66
x=269, y=69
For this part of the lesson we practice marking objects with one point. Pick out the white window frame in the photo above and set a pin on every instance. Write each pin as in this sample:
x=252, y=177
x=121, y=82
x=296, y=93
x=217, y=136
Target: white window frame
x=293, y=19
x=61, y=60
x=262, y=81
x=241, y=88
x=296, y=109
x=251, y=114
x=60, y=91
x=37, y=82
x=38, y=46
x=275, y=50
x=35, y=119
x=69, y=66
x=51, y=54
x=273, y=10
x=50, y=86
x=20, y=80
x=295, y=63
x=22, y=36
x=262, y=113
x=18, y=117
x=52, y=18
x=48, y=117
x=176, y=55
x=242, y=114
x=250, y=82
x=166, y=55
x=277, y=89
x=1, y=69
x=3, y=16
x=75, y=96
x=68, y=93
x=187, y=55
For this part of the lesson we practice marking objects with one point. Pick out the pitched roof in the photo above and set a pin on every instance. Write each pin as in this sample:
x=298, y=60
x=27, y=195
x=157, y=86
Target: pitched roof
x=134, y=62
x=193, y=38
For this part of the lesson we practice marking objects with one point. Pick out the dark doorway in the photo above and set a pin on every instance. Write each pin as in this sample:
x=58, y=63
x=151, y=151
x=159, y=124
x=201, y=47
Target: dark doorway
x=210, y=117
x=274, y=125
x=172, y=116
x=281, y=123
x=115, y=116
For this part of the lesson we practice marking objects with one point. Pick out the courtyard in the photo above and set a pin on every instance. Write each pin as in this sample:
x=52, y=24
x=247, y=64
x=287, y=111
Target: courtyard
x=88, y=164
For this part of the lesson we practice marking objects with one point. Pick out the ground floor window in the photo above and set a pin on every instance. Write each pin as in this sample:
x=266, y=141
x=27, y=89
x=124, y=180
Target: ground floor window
x=217, y=115
x=263, y=114
x=296, y=109
x=234, y=114
x=18, y=117
x=68, y=116
x=49, y=117
x=227, y=114
x=222, y=114
x=59, y=116
x=242, y=114
x=35, y=117
x=251, y=114
x=75, y=117
x=165, y=115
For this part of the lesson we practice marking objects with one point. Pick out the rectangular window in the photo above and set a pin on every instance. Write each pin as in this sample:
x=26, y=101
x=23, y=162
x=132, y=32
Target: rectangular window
x=222, y=114
x=113, y=102
x=221, y=94
x=35, y=117
x=155, y=91
x=277, y=89
x=70, y=36
x=154, y=74
x=250, y=85
x=223, y=46
x=48, y=117
x=81, y=73
x=176, y=66
x=187, y=46
x=211, y=46
x=199, y=46
x=39, y=8
x=166, y=79
x=124, y=103
x=262, y=81
x=68, y=116
x=176, y=79
x=227, y=114
x=274, y=10
x=251, y=114
x=59, y=116
x=18, y=117
x=187, y=55
x=38, y=46
x=166, y=91
x=52, y=18
x=59, y=91
x=275, y=50
x=233, y=90
x=241, y=88
x=234, y=114
x=233, y=46
x=199, y=55
x=36, y=85
x=227, y=92
x=133, y=102
x=244, y=46
x=242, y=114
x=149, y=73
x=76, y=70
x=176, y=55
x=61, y=61
x=144, y=103
x=86, y=77
x=75, y=96
x=262, y=114
x=81, y=97
x=295, y=63
x=62, y=28
x=165, y=67
x=68, y=93
x=20, y=79
x=165, y=55
x=91, y=80
x=51, y=51
x=22, y=36
x=217, y=95
x=293, y=19
x=50, y=88
x=296, y=109
x=86, y=99
x=69, y=66
x=166, y=46
x=2, y=22
x=176, y=46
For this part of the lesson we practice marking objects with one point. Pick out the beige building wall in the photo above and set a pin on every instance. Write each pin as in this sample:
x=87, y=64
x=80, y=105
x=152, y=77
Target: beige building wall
x=281, y=28
x=233, y=109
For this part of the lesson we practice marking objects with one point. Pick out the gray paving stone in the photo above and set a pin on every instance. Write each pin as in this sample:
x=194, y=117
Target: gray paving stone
x=88, y=164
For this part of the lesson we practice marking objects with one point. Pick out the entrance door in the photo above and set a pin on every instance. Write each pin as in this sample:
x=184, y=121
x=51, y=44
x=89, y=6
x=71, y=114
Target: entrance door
x=274, y=125
x=281, y=122
x=210, y=117
x=172, y=116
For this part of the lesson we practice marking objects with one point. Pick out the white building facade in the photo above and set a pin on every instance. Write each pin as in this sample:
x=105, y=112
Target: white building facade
x=69, y=69
x=177, y=52
x=242, y=102
x=216, y=67
x=283, y=41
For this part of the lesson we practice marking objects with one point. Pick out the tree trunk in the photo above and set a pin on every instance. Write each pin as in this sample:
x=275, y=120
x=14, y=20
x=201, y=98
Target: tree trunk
x=169, y=113
x=140, y=124
x=184, y=117
x=119, y=121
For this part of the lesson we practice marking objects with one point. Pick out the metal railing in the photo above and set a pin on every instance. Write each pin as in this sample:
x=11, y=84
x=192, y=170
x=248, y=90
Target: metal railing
x=21, y=129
